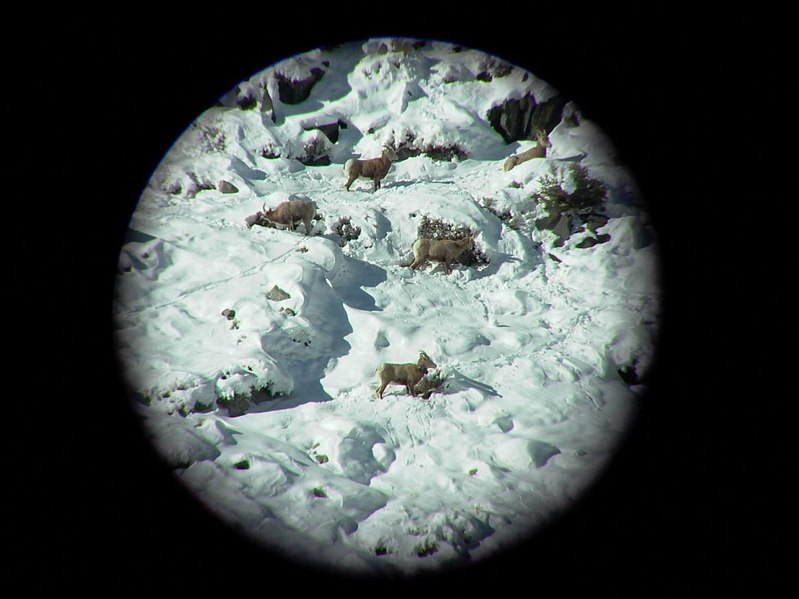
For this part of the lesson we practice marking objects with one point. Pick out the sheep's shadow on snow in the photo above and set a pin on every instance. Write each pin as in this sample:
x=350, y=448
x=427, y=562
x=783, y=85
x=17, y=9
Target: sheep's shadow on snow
x=397, y=184
x=409, y=183
x=453, y=382
x=457, y=381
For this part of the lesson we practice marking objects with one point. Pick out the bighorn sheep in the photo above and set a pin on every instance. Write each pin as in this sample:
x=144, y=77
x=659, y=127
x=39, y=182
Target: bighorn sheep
x=537, y=151
x=403, y=374
x=373, y=168
x=441, y=250
x=287, y=213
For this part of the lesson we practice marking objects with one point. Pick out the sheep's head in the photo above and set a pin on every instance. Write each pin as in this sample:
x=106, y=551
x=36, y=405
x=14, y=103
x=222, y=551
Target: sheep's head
x=542, y=138
x=425, y=362
x=388, y=152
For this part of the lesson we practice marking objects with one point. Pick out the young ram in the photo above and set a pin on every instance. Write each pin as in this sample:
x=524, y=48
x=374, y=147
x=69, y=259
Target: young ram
x=403, y=374
x=373, y=168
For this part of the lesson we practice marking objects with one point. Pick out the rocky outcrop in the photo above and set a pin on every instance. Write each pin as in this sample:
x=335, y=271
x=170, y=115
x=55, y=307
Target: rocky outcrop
x=315, y=152
x=239, y=404
x=226, y=187
x=294, y=92
x=276, y=294
x=518, y=119
x=331, y=130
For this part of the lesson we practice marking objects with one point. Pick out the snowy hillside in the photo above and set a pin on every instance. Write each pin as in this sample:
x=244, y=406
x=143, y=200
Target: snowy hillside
x=251, y=351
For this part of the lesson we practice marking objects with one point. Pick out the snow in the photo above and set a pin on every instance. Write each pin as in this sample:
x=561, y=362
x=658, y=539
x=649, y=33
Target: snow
x=532, y=407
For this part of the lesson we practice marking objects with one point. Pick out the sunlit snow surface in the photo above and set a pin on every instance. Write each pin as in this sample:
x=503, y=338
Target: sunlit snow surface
x=533, y=405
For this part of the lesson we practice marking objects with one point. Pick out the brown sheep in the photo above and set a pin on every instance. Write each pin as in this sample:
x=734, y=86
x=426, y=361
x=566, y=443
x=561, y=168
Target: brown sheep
x=537, y=151
x=440, y=250
x=291, y=211
x=403, y=374
x=373, y=168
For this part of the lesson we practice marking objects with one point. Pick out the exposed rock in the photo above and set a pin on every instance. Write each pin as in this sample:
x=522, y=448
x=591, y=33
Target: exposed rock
x=547, y=114
x=316, y=152
x=266, y=105
x=562, y=230
x=549, y=220
x=595, y=221
x=494, y=69
x=331, y=130
x=590, y=242
x=541, y=452
x=629, y=373
x=518, y=119
x=276, y=294
x=227, y=187
x=270, y=152
x=511, y=119
x=246, y=102
x=295, y=92
x=239, y=405
x=323, y=160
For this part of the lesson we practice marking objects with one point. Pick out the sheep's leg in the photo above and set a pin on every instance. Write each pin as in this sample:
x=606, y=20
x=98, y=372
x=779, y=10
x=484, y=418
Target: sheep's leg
x=377, y=183
x=307, y=226
x=380, y=390
x=416, y=263
x=349, y=182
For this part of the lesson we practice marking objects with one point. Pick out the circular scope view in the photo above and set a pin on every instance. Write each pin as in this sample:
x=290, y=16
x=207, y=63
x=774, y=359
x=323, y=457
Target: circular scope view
x=389, y=306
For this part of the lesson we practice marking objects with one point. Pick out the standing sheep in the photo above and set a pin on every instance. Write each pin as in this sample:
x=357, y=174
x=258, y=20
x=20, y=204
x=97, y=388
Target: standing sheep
x=537, y=151
x=373, y=168
x=440, y=250
x=403, y=374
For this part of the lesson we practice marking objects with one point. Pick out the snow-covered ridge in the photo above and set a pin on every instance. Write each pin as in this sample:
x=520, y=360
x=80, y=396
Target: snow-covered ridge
x=264, y=402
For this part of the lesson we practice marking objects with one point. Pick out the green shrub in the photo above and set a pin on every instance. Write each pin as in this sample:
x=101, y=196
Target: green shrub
x=426, y=548
x=589, y=195
x=582, y=208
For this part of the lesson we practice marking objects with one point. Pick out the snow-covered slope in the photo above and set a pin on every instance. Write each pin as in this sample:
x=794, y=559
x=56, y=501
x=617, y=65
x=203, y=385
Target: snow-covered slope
x=266, y=406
